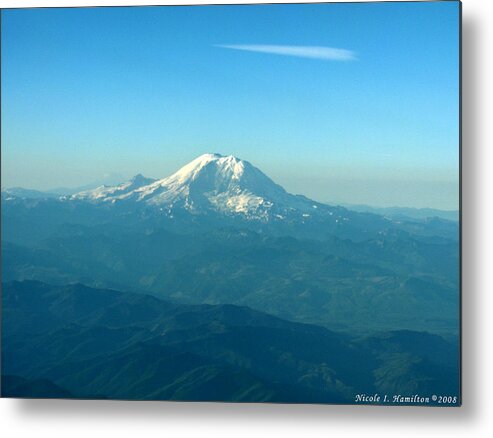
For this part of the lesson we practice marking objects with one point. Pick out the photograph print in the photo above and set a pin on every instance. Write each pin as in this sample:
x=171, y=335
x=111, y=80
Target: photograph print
x=232, y=203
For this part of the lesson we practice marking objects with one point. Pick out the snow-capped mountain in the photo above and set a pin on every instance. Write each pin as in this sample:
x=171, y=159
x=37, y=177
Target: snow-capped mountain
x=210, y=192
x=211, y=182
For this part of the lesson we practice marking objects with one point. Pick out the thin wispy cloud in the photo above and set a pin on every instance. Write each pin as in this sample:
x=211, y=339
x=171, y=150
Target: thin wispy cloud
x=314, y=52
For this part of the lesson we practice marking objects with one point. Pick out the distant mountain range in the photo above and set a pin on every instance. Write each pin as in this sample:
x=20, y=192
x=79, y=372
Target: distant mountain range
x=224, y=184
x=215, y=190
x=405, y=213
x=19, y=192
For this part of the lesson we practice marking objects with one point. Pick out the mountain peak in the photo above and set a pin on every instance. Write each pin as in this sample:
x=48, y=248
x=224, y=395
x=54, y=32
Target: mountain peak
x=214, y=157
x=223, y=168
x=139, y=178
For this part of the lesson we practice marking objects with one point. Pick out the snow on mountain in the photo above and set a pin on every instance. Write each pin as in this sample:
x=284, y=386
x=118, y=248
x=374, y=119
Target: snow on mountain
x=105, y=193
x=224, y=184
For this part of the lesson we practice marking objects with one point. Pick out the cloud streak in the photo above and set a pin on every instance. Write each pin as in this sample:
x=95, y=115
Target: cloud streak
x=314, y=52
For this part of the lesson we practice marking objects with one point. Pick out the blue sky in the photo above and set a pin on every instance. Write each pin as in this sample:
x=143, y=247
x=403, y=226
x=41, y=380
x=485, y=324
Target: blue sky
x=349, y=103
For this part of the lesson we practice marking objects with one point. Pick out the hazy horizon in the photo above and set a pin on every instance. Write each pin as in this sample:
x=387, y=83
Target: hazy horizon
x=341, y=191
x=358, y=105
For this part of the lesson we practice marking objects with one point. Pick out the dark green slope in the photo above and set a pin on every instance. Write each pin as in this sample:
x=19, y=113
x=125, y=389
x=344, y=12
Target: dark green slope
x=108, y=344
x=15, y=386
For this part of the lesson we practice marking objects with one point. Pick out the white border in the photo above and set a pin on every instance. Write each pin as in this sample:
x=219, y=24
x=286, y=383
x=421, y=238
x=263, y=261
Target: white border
x=64, y=418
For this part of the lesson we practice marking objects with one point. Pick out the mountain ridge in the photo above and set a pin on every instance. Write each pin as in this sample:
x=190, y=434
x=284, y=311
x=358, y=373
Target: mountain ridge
x=88, y=344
